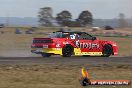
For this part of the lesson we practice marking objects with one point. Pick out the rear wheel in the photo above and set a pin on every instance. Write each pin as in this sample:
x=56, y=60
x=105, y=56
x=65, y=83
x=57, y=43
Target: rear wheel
x=86, y=55
x=45, y=54
x=67, y=51
x=107, y=50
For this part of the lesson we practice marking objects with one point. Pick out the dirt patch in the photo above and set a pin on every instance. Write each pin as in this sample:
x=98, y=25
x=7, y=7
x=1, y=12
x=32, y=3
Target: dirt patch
x=57, y=75
x=18, y=53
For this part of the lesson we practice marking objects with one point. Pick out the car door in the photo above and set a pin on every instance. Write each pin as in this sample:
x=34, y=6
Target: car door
x=88, y=45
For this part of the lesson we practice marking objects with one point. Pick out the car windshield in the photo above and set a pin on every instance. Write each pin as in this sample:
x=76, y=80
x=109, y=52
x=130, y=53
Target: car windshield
x=58, y=35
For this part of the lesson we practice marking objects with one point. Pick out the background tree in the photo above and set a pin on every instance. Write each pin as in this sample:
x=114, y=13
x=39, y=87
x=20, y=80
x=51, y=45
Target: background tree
x=64, y=18
x=85, y=18
x=122, y=20
x=45, y=16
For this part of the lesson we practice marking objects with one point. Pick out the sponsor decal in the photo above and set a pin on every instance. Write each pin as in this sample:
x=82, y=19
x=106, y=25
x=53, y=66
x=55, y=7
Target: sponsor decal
x=58, y=48
x=87, y=45
x=65, y=42
x=45, y=46
x=58, y=45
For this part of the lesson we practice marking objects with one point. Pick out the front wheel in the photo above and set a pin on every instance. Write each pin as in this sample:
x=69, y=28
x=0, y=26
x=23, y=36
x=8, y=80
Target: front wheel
x=45, y=54
x=107, y=50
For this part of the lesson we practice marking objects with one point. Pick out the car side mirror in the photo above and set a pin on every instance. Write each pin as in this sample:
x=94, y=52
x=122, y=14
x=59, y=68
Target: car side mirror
x=94, y=38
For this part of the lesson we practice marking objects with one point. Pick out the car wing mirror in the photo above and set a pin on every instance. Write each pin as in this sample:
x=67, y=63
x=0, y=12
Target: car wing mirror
x=94, y=38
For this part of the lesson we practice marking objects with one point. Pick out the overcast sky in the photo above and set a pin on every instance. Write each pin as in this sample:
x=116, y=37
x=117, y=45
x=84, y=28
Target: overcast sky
x=99, y=8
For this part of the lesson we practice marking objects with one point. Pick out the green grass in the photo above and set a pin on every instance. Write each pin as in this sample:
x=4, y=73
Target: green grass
x=58, y=76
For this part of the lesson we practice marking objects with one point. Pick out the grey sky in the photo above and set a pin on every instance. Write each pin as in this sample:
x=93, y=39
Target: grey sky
x=99, y=8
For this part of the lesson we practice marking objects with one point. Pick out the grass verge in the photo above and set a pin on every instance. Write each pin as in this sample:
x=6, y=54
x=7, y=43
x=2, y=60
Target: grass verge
x=59, y=76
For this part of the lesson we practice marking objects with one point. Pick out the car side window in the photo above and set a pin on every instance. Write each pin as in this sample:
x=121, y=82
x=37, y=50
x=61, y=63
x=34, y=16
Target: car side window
x=85, y=36
x=74, y=36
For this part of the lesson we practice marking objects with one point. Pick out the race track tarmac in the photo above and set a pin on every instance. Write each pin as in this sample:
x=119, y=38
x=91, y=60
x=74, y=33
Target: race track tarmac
x=62, y=60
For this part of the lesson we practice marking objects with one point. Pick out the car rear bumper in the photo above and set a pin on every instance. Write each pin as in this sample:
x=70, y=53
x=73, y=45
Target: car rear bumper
x=47, y=50
x=36, y=51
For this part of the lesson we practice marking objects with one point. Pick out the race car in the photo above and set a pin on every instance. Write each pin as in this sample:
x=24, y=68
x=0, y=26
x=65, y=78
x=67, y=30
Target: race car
x=69, y=44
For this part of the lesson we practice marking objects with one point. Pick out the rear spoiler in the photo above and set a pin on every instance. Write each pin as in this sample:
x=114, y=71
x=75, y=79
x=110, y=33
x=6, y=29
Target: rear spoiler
x=41, y=38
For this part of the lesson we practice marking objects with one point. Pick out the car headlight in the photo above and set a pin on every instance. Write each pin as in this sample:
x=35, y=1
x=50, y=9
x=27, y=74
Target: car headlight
x=114, y=44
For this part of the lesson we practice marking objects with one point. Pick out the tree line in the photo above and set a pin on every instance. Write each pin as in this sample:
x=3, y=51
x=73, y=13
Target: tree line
x=64, y=18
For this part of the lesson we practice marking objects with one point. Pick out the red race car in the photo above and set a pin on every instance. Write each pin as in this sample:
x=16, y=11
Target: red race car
x=73, y=43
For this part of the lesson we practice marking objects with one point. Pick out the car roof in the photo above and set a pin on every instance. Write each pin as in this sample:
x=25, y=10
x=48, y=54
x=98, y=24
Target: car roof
x=78, y=32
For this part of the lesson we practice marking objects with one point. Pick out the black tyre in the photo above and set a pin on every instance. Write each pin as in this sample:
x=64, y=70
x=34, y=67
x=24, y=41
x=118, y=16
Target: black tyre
x=107, y=50
x=67, y=51
x=86, y=55
x=45, y=55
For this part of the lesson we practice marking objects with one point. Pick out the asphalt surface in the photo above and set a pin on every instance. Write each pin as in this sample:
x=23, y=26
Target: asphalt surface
x=62, y=60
